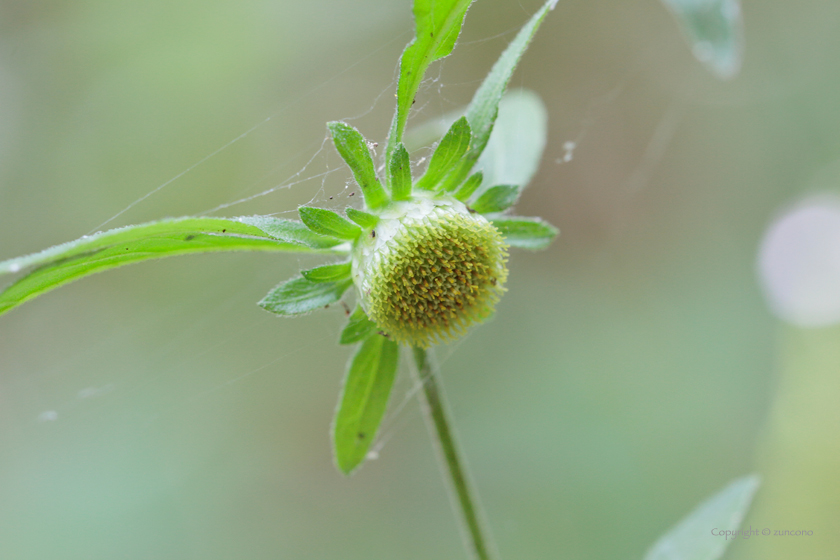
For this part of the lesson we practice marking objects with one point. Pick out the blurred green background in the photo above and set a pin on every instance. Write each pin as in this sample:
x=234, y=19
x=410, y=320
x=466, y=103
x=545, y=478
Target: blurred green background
x=631, y=370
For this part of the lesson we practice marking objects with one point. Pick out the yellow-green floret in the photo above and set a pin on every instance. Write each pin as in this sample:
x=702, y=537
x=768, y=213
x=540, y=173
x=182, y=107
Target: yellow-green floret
x=429, y=270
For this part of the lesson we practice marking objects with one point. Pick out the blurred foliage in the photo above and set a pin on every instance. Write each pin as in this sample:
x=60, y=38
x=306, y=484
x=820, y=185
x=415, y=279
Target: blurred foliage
x=157, y=412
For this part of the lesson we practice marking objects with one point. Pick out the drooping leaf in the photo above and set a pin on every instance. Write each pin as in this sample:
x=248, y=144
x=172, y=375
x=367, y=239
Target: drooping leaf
x=354, y=150
x=496, y=199
x=482, y=110
x=328, y=272
x=693, y=538
x=367, y=221
x=364, y=398
x=513, y=153
x=715, y=32
x=64, y=263
x=469, y=187
x=299, y=295
x=447, y=156
x=327, y=222
x=359, y=327
x=526, y=233
x=437, y=26
x=291, y=231
x=399, y=170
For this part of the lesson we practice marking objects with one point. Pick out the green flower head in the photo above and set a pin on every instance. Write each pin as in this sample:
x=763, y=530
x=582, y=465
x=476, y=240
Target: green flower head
x=430, y=269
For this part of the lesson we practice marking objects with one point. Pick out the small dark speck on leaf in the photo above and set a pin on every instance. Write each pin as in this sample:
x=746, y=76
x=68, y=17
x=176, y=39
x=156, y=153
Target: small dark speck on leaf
x=361, y=435
x=352, y=193
x=471, y=210
x=330, y=198
x=327, y=306
x=189, y=238
x=224, y=231
x=373, y=233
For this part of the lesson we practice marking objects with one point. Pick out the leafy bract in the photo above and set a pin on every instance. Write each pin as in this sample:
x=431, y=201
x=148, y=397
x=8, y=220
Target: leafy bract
x=482, y=110
x=694, y=538
x=526, y=233
x=64, y=263
x=513, y=153
x=364, y=398
x=300, y=295
x=399, y=173
x=367, y=221
x=448, y=154
x=470, y=186
x=290, y=231
x=496, y=199
x=359, y=327
x=714, y=30
x=353, y=148
x=437, y=26
x=328, y=272
x=327, y=222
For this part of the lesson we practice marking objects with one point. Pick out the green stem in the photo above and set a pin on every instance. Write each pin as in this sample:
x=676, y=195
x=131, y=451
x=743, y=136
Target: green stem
x=437, y=417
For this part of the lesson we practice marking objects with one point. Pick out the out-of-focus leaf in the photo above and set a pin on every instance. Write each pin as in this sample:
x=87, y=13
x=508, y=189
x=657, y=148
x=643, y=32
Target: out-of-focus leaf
x=363, y=400
x=715, y=32
x=437, y=26
x=399, y=170
x=327, y=222
x=526, y=233
x=359, y=327
x=328, y=272
x=693, y=538
x=299, y=295
x=515, y=148
x=354, y=150
x=64, y=263
x=470, y=186
x=482, y=110
x=496, y=199
x=367, y=221
x=448, y=154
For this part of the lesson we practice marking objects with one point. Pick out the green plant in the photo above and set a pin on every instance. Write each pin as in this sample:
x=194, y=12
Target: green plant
x=427, y=257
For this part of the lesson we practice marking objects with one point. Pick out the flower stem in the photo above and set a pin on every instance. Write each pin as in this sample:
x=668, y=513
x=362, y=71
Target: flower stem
x=437, y=418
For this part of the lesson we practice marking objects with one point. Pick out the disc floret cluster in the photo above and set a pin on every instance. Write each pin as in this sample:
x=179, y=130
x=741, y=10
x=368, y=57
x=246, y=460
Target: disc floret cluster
x=430, y=271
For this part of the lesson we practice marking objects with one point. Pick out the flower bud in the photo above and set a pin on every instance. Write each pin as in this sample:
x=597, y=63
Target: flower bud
x=430, y=269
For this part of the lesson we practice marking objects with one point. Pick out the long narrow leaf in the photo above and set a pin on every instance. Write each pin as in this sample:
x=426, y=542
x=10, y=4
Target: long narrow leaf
x=64, y=263
x=437, y=26
x=364, y=398
x=484, y=107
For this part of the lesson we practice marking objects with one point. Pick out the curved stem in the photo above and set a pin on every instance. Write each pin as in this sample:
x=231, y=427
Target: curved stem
x=437, y=417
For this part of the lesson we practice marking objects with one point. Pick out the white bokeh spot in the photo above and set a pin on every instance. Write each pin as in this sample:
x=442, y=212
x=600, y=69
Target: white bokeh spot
x=799, y=263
